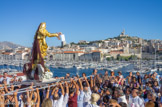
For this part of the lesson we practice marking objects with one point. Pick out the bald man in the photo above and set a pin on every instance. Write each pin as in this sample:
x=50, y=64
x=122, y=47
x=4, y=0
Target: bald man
x=135, y=99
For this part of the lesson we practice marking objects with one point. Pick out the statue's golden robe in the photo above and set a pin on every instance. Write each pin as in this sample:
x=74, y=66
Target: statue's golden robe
x=41, y=36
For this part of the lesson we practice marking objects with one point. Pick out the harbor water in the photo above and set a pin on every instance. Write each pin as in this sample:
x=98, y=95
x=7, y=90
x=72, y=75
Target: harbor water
x=72, y=71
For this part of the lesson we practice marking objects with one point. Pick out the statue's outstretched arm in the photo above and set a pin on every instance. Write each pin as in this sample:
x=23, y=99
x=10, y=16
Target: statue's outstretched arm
x=46, y=33
x=52, y=35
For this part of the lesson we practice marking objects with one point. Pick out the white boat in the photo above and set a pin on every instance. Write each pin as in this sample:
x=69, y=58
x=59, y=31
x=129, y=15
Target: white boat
x=67, y=66
x=160, y=69
x=134, y=71
x=78, y=67
x=153, y=70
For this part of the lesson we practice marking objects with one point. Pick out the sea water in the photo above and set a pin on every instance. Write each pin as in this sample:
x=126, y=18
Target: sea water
x=73, y=71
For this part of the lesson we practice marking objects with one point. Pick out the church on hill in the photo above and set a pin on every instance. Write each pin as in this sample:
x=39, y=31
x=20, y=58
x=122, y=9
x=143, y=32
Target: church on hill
x=123, y=34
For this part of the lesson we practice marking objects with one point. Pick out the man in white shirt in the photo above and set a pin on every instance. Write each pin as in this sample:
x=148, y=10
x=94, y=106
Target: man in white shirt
x=120, y=75
x=135, y=100
x=121, y=97
x=66, y=97
x=14, y=79
x=87, y=93
x=5, y=78
x=58, y=101
x=80, y=95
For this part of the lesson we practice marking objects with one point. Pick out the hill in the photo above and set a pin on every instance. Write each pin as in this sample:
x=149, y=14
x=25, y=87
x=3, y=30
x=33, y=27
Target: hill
x=8, y=45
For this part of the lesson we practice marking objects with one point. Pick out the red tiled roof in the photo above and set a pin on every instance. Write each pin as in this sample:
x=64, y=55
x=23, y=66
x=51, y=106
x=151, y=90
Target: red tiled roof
x=18, y=74
x=95, y=51
x=7, y=76
x=19, y=51
x=6, y=53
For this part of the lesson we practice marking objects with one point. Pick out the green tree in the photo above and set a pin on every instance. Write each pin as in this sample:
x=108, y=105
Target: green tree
x=108, y=58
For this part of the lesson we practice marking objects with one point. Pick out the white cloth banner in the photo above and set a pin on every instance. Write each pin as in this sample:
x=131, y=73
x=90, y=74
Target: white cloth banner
x=62, y=37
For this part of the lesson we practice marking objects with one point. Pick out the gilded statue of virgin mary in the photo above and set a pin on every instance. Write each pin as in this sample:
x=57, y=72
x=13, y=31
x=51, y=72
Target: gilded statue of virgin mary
x=39, y=51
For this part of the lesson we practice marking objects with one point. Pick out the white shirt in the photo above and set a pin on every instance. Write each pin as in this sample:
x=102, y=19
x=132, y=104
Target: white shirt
x=20, y=102
x=87, y=97
x=122, y=99
x=65, y=100
x=135, y=102
x=91, y=105
x=121, y=76
x=80, y=99
x=7, y=78
x=58, y=103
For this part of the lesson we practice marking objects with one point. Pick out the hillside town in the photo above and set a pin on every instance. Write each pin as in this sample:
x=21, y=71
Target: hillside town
x=122, y=47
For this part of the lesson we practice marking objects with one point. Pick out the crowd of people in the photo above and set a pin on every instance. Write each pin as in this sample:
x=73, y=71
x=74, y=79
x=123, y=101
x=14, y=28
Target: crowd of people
x=97, y=91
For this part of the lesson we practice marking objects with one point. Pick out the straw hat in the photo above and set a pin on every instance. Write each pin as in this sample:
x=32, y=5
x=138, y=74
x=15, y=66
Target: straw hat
x=94, y=98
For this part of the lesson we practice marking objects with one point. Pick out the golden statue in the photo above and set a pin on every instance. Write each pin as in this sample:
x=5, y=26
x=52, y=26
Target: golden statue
x=39, y=51
x=42, y=33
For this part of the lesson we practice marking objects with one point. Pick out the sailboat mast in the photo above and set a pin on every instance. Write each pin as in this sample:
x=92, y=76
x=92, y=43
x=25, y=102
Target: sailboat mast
x=155, y=58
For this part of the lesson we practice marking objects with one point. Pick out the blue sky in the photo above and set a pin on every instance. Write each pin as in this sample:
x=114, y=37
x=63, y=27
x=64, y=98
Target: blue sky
x=79, y=19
